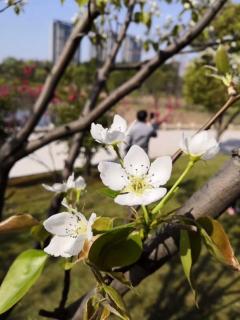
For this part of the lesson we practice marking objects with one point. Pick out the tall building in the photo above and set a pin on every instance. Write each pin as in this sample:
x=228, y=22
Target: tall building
x=61, y=32
x=101, y=51
x=131, y=50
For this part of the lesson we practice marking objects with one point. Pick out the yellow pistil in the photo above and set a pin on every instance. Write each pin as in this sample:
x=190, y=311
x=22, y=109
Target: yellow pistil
x=81, y=229
x=137, y=185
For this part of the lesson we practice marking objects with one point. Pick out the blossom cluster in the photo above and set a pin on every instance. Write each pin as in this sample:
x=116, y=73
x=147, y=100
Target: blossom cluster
x=134, y=178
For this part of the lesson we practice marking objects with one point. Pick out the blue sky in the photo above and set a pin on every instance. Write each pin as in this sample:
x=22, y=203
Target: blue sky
x=28, y=35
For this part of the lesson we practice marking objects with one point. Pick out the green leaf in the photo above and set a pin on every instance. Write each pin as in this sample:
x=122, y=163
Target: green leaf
x=116, y=312
x=115, y=297
x=196, y=245
x=109, y=193
x=120, y=276
x=186, y=258
x=217, y=242
x=117, y=300
x=81, y=3
x=117, y=248
x=39, y=233
x=101, y=4
x=143, y=17
x=222, y=60
x=21, y=276
x=18, y=223
x=102, y=224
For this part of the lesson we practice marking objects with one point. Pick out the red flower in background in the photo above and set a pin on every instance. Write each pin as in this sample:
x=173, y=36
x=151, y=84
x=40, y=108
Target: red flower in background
x=4, y=91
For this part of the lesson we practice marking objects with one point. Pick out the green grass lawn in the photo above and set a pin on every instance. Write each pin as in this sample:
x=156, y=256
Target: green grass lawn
x=165, y=295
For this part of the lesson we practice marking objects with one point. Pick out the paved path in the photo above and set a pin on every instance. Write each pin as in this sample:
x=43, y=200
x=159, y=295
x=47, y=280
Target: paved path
x=52, y=157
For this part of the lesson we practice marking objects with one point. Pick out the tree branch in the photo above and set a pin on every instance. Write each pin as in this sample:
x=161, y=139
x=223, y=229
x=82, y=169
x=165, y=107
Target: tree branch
x=228, y=122
x=11, y=5
x=79, y=31
x=126, y=88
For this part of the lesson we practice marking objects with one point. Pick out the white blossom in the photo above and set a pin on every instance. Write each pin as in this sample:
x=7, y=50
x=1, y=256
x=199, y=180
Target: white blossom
x=79, y=184
x=70, y=233
x=186, y=5
x=115, y=134
x=200, y=145
x=138, y=181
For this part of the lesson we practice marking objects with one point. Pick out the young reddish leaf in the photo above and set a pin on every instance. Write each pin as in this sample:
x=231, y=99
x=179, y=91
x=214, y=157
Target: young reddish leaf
x=217, y=242
x=18, y=223
x=105, y=313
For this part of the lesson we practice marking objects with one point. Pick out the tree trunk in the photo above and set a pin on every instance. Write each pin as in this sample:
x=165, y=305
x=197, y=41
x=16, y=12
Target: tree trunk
x=4, y=173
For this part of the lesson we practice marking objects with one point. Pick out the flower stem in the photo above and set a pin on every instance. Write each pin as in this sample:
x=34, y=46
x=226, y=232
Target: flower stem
x=116, y=149
x=145, y=215
x=170, y=193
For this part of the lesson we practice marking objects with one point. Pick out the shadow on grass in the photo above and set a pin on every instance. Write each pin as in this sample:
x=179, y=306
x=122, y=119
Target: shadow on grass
x=218, y=288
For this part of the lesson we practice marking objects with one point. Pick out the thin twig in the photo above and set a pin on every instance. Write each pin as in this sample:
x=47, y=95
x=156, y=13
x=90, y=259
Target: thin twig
x=66, y=288
x=10, y=5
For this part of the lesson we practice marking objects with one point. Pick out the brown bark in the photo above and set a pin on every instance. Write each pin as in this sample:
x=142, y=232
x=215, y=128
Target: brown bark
x=4, y=172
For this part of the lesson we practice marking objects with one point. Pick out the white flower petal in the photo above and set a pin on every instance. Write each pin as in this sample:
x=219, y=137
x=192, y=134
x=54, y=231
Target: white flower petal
x=136, y=161
x=184, y=144
x=211, y=152
x=198, y=143
x=114, y=137
x=65, y=204
x=60, y=223
x=201, y=144
x=128, y=199
x=91, y=221
x=70, y=181
x=81, y=218
x=153, y=195
x=74, y=245
x=119, y=124
x=98, y=132
x=56, y=187
x=160, y=171
x=65, y=246
x=147, y=197
x=80, y=183
x=112, y=175
x=55, y=247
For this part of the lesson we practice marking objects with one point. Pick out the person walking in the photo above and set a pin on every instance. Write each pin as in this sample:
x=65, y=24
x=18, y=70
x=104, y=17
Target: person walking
x=141, y=131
